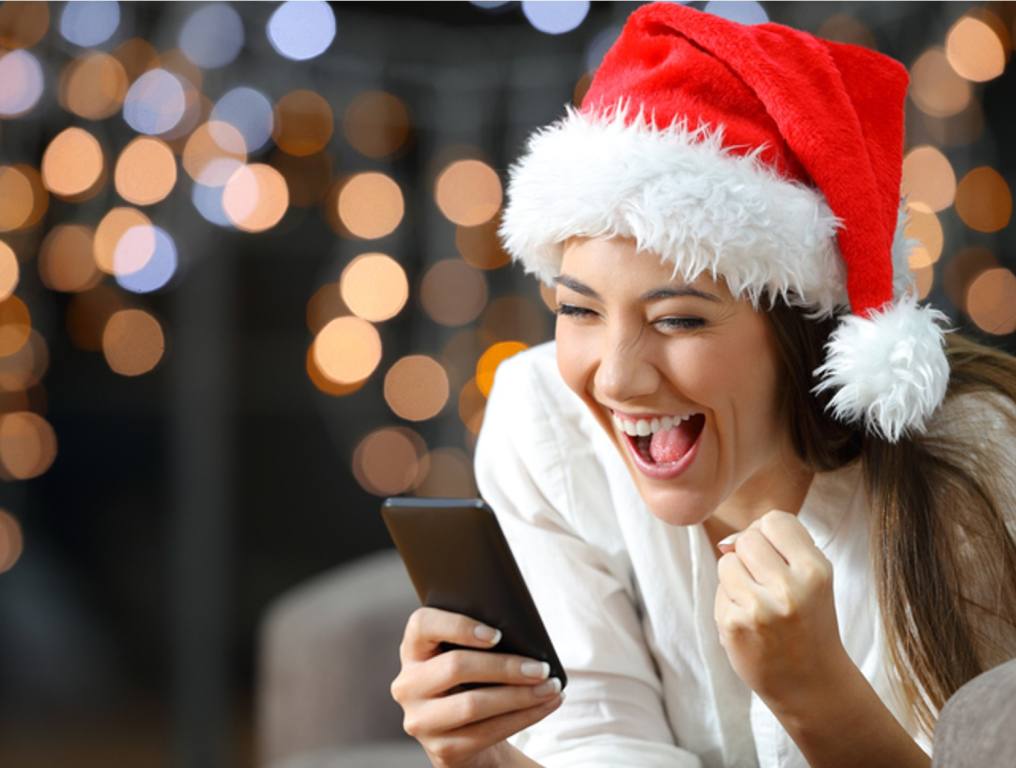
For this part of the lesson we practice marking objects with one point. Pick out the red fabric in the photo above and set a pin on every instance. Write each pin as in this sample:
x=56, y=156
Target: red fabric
x=830, y=113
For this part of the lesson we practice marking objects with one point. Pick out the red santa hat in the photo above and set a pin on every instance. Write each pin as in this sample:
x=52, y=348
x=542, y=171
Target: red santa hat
x=762, y=154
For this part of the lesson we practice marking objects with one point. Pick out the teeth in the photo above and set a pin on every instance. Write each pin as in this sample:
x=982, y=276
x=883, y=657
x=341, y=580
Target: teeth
x=644, y=427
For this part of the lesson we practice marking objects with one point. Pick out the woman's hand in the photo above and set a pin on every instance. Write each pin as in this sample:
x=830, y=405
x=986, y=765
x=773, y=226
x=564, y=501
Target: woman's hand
x=466, y=729
x=775, y=611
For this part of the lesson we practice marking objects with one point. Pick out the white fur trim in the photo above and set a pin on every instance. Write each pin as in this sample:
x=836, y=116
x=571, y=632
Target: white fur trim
x=889, y=370
x=679, y=193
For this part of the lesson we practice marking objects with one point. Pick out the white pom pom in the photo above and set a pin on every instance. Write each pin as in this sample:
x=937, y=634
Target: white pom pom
x=889, y=369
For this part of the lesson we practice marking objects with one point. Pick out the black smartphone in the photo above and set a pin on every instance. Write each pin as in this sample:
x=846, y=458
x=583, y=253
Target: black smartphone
x=459, y=560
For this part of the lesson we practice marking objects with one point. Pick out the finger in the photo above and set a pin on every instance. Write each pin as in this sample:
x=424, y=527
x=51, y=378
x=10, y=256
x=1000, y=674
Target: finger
x=787, y=534
x=428, y=627
x=480, y=735
x=735, y=579
x=761, y=559
x=461, y=709
x=452, y=668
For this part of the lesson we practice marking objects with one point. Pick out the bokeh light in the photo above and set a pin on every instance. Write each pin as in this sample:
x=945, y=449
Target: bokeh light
x=374, y=286
x=468, y=192
x=928, y=178
x=72, y=164
x=40, y=195
x=22, y=24
x=26, y=367
x=91, y=23
x=133, y=270
x=416, y=387
x=984, y=200
x=111, y=229
x=376, y=124
x=21, y=75
x=16, y=198
x=347, y=350
x=10, y=271
x=250, y=112
x=370, y=205
x=991, y=301
x=389, y=461
x=213, y=153
x=137, y=56
x=472, y=403
x=453, y=293
x=741, y=11
x=208, y=202
x=301, y=30
x=514, y=317
x=323, y=383
x=555, y=17
x=926, y=228
x=212, y=36
x=844, y=28
x=325, y=305
x=66, y=262
x=449, y=474
x=486, y=366
x=255, y=197
x=962, y=269
x=155, y=102
x=303, y=123
x=480, y=246
x=93, y=86
x=27, y=444
x=11, y=540
x=145, y=171
x=132, y=342
x=15, y=325
x=974, y=50
x=935, y=87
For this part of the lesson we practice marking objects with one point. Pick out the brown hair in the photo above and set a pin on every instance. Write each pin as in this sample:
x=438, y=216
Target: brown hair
x=945, y=562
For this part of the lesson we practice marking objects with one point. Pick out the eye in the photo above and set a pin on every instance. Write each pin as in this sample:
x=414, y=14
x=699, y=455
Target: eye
x=681, y=322
x=573, y=311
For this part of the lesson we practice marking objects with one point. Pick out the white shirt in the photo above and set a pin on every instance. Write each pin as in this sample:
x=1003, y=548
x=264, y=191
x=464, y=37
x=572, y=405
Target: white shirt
x=628, y=599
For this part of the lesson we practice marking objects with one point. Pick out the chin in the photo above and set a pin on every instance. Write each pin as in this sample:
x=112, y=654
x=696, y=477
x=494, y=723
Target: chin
x=676, y=506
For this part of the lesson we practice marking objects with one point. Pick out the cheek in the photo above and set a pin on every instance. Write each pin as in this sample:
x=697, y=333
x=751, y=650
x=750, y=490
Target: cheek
x=574, y=357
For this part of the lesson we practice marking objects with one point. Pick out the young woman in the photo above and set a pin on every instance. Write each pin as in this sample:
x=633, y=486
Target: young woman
x=765, y=504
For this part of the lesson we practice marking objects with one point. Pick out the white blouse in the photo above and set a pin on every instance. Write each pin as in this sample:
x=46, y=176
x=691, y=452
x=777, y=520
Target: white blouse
x=628, y=599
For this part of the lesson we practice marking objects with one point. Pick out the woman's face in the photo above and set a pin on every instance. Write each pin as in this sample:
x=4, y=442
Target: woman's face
x=635, y=344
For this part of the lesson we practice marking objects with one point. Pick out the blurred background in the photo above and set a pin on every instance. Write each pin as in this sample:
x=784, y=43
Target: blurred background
x=250, y=285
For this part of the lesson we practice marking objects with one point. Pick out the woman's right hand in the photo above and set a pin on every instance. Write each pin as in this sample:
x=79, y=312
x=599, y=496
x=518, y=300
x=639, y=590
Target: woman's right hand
x=466, y=729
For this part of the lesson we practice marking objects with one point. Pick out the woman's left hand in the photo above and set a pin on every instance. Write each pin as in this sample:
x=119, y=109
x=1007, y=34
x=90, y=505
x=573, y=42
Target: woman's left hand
x=775, y=611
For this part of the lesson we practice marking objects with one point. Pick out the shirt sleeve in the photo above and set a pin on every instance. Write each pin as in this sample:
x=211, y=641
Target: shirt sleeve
x=613, y=713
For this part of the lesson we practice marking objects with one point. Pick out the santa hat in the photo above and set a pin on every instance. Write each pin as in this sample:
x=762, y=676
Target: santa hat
x=761, y=154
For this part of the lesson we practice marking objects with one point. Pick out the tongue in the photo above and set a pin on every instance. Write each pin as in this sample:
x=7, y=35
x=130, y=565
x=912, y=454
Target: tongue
x=671, y=444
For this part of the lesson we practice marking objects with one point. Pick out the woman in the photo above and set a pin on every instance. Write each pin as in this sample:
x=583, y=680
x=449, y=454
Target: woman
x=764, y=504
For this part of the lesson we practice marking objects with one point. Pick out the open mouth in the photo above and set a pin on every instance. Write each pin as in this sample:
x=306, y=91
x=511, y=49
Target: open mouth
x=668, y=446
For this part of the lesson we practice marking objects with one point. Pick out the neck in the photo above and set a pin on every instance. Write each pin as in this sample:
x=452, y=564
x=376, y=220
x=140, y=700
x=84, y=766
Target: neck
x=783, y=484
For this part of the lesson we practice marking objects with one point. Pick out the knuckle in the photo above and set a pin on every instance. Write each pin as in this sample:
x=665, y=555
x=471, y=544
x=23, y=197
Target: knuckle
x=396, y=688
x=456, y=664
x=410, y=725
x=445, y=750
x=469, y=708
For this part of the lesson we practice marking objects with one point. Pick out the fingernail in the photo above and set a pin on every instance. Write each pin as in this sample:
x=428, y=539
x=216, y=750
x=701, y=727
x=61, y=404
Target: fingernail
x=551, y=686
x=728, y=540
x=488, y=634
x=535, y=669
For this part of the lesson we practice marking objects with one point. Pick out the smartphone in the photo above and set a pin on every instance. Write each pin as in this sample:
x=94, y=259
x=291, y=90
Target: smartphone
x=459, y=560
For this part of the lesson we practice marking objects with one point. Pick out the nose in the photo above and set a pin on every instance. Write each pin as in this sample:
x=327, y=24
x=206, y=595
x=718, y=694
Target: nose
x=625, y=371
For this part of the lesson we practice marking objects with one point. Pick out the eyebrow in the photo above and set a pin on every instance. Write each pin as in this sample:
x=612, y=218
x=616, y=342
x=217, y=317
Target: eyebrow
x=663, y=292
